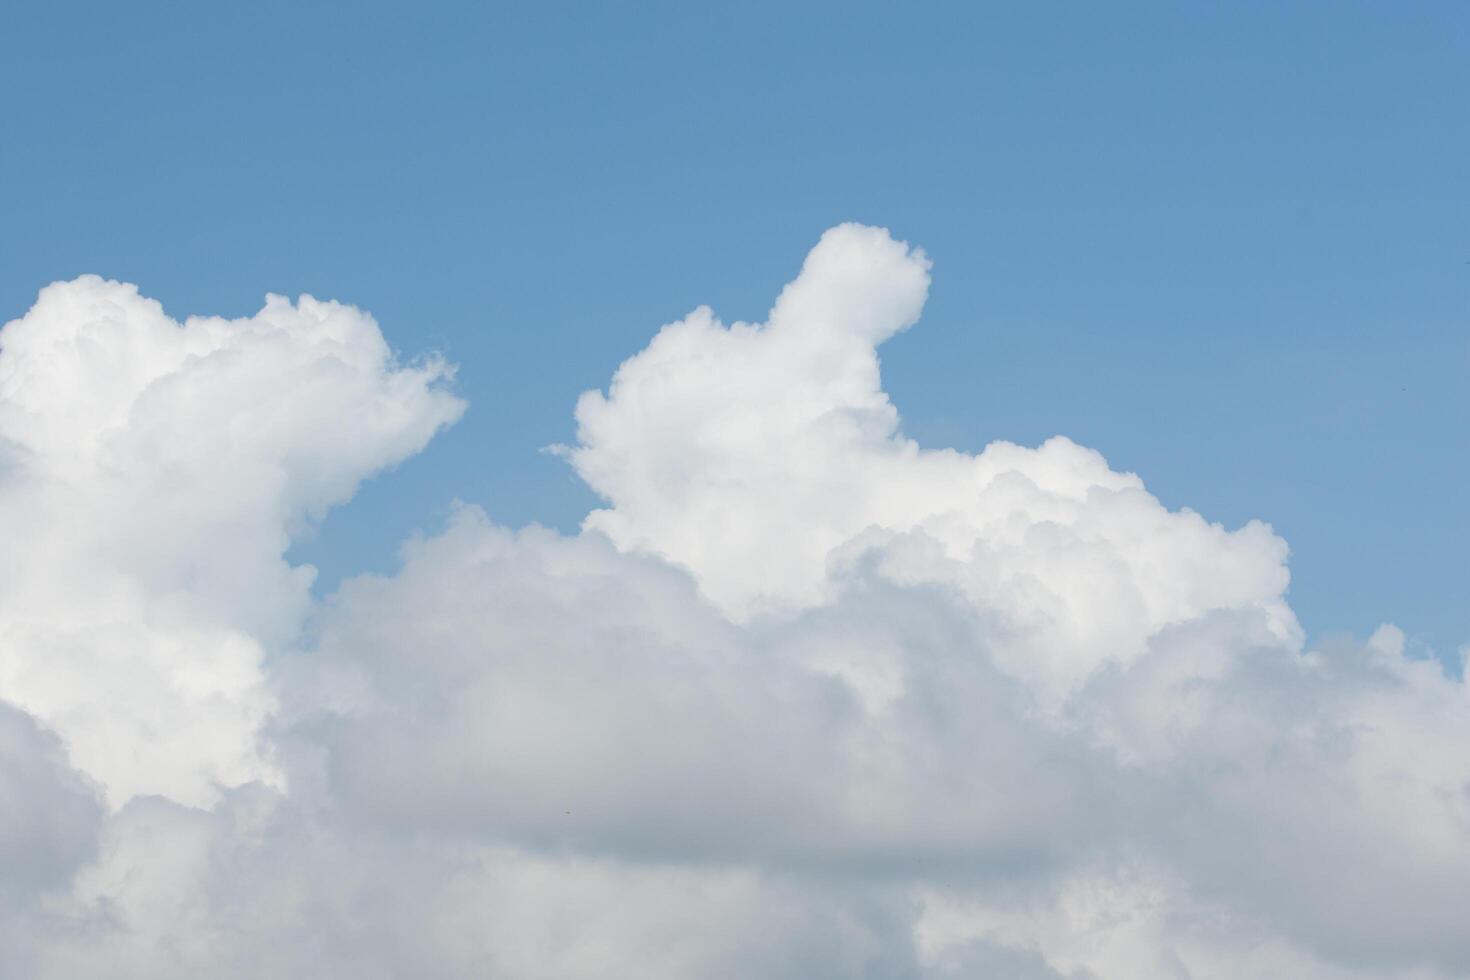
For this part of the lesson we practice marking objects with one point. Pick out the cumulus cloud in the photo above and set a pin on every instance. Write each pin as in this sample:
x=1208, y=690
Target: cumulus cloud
x=802, y=699
x=151, y=474
x=766, y=460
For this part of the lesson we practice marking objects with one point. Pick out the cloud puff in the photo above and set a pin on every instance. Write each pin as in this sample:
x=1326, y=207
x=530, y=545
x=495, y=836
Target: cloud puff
x=766, y=459
x=804, y=699
x=151, y=474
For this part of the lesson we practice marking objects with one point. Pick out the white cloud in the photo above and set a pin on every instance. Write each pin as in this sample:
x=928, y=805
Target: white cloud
x=803, y=700
x=151, y=473
x=259, y=886
x=766, y=458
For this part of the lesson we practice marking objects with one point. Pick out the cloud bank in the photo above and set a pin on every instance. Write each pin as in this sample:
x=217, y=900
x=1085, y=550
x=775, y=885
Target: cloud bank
x=802, y=699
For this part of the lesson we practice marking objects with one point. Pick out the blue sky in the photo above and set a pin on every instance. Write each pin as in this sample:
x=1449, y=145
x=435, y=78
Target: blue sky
x=1226, y=245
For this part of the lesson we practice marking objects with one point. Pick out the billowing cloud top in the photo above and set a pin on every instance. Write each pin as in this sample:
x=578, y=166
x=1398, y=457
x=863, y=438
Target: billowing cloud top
x=803, y=699
x=152, y=474
x=767, y=461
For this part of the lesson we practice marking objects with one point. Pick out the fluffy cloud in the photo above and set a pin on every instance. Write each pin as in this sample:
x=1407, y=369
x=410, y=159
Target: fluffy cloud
x=804, y=699
x=151, y=474
x=766, y=460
